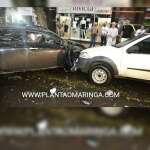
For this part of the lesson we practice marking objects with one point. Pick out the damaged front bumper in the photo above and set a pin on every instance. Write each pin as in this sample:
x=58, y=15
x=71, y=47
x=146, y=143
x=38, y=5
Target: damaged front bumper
x=75, y=66
x=80, y=64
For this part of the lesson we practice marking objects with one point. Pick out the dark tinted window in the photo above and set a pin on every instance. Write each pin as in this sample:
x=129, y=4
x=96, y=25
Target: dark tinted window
x=11, y=38
x=142, y=47
x=127, y=41
x=42, y=40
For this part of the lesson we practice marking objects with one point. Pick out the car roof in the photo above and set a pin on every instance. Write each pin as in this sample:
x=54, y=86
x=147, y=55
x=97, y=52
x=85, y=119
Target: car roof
x=143, y=35
x=27, y=27
x=147, y=34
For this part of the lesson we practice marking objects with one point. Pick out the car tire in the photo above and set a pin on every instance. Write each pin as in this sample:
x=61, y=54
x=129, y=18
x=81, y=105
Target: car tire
x=100, y=75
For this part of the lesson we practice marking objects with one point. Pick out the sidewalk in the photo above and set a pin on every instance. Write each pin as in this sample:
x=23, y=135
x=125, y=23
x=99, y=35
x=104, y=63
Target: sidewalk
x=85, y=42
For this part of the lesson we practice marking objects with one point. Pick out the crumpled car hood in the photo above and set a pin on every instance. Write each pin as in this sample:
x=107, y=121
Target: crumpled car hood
x=73, y=50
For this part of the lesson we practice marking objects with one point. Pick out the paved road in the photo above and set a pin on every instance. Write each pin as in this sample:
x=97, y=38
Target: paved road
x=131, y=93
x=74, y=143
x=137, y=118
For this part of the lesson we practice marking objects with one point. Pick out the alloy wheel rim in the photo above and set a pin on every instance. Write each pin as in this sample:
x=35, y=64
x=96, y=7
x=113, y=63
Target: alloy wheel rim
x=99, y=76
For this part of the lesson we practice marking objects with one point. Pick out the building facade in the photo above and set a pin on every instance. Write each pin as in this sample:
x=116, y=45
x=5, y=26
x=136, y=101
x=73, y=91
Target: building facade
x=135, y=15
x=77, y=17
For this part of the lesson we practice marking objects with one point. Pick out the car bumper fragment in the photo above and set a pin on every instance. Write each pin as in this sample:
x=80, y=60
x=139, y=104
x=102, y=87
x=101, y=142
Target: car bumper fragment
x=80, y=64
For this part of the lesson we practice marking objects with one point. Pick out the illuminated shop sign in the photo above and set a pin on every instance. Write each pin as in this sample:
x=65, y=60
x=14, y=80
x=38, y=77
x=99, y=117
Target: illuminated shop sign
x=86, y=10
x=104, y=10
x=95, y=3
x=77, y=9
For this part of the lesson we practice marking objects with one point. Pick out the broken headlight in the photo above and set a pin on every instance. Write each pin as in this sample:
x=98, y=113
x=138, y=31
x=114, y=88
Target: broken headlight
x=84, y=55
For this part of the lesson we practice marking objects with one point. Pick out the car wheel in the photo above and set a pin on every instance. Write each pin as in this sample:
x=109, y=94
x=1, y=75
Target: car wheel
x=100, y=75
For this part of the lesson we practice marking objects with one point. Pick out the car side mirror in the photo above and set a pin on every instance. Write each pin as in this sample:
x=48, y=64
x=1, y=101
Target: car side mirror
x=133, y=49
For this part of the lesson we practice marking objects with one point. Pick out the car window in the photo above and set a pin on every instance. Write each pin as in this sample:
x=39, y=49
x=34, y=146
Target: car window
x=11, y=38
x=42, y=40
x=142, y=47
x=122, y=44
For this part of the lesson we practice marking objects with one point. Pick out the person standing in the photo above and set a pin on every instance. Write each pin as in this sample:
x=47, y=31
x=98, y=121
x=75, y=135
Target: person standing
x=104, y=32
x=58, y=27
x=140, y=31
x=82, y=28
x=112, y=34
x=120, y=32
x=61, y=30
x=66, y=27
x=94, y=32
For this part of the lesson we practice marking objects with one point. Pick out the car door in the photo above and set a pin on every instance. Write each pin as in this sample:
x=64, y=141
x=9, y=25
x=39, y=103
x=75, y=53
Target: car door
x=45, y=50
x=13, y=54
x=136, y=61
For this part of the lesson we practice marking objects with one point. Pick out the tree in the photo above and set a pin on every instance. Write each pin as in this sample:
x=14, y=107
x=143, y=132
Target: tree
x=41, y=16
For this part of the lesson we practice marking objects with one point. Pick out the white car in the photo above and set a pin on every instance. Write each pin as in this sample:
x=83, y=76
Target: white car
x=127, y=59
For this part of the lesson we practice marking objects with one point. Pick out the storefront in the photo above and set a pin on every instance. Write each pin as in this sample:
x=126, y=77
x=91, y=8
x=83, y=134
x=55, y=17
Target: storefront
x=77, y=21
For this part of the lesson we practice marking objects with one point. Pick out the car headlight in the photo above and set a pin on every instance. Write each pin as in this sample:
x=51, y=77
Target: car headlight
x=84, y=55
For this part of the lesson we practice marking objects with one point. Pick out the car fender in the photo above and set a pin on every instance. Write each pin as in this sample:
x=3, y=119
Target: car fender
x=103, y=60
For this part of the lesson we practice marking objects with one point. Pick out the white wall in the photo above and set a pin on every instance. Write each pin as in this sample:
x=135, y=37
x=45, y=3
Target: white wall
x=102, y=3
x=6, y=3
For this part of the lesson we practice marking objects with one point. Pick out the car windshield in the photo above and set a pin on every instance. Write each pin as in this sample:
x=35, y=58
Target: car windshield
x=122, y=44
